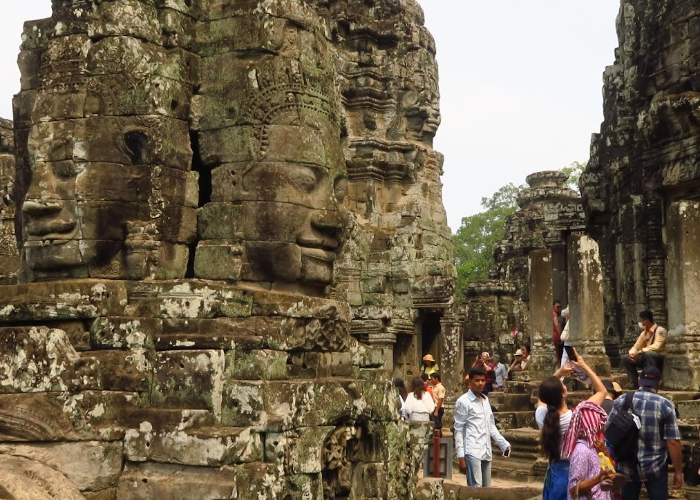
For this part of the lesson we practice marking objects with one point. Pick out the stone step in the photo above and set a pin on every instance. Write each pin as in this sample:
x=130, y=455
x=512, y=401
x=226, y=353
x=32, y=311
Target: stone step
x=515, y=419
x=501, y=401
x=432, y=488
x=514, y=469
x=525, y=442
x=520, y=387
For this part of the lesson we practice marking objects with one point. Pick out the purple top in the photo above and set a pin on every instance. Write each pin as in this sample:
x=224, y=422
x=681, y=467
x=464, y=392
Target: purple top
x=585, y=464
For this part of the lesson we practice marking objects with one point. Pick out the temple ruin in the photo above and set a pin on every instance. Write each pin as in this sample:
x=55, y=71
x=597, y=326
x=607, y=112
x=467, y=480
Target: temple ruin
x=229, y=236
x=222, y=235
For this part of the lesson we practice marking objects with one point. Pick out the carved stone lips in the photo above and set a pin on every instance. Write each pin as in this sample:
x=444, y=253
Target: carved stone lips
x=50, y=233
x=318, y=254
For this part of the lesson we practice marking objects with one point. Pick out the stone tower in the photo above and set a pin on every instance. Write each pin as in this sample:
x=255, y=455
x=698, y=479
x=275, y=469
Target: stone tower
x=228, y=216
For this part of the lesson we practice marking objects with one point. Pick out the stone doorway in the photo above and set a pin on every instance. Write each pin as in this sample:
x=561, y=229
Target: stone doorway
x=428, y=326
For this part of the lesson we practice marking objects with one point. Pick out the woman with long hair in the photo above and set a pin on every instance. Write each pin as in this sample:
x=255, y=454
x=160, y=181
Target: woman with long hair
x=581, y=445
x=403, y=394
x=553, y=417
x=419, y=404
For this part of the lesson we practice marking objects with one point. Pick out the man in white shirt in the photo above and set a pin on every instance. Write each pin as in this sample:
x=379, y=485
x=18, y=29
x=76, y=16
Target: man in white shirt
x=500, y=372
x=474, y=427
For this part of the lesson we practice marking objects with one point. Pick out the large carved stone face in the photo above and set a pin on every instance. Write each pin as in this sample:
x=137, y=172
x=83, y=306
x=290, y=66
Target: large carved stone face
x=277, y=159
x=420, y=102
x=74, y=212
x=291, y=224
x=90, y=178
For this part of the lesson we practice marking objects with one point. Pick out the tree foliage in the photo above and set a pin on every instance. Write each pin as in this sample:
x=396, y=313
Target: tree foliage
x=574, y=171
x=475, y=238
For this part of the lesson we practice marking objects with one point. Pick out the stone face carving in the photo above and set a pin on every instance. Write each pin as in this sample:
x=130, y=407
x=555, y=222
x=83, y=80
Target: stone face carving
x=226, y=212
x=275, y=153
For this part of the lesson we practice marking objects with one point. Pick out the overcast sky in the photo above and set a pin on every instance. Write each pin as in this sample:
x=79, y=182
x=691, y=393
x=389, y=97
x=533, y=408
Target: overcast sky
x=520, y=86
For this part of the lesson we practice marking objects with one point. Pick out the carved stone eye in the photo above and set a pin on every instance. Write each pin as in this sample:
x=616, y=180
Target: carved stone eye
x=304, y=180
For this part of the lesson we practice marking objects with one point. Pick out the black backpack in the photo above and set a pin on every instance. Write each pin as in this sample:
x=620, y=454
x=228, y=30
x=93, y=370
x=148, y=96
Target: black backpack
x=622, y=433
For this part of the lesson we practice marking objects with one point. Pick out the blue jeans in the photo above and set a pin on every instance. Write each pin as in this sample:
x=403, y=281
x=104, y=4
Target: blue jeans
x=478, y=472
x=657, y=488
x=556, y=481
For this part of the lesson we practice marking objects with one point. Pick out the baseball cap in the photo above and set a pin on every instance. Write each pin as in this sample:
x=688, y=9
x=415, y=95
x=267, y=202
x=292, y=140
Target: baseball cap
x=650, y=377
x=612, y=387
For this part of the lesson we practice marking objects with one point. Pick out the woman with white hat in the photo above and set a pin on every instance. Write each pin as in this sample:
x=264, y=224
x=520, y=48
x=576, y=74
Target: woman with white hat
x=429, y=365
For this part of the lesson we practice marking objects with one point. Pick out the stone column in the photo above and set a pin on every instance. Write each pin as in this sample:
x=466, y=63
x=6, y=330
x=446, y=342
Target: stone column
x=682, y=364
x=586, y=302
x=542, y=363
x=384, y=340
x=451, y=361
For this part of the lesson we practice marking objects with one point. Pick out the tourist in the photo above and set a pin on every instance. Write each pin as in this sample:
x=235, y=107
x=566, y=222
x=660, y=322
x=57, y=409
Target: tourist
x=403, y=394
x=648, y=350
x=500, y=373
x=483, y=361
x=439, y=392
x=557, y=329
x=614, y=392
x=553, y=417
x=429, y=365
x=474, y=427
x=580, y=447
x=426, y=385
x=659, y=438
x=419, y=403
x=515, y=366
x=522, y=359
x=564, y=337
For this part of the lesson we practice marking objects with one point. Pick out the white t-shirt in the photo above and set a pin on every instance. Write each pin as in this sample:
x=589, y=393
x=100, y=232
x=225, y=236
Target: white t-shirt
x=419, y=410
x=564, y=420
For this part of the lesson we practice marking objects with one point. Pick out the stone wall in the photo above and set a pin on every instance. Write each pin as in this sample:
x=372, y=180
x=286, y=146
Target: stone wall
x=398, y=266
x=9, y=255
x=230, y=226
x=643, y=174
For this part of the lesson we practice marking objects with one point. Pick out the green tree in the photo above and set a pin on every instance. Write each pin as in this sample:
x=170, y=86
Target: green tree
x=475, y=238
x=574, y=171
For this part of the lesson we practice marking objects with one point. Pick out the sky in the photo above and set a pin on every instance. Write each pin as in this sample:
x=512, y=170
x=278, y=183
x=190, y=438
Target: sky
x=520, y=84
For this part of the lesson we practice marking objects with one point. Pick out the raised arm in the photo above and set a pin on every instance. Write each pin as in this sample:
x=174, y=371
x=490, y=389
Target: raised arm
x=596, y=384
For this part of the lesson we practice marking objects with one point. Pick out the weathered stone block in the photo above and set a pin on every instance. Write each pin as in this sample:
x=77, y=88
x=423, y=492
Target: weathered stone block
x=148, y=481
x=188, y=379
x=256, y=365
x=205, y=446
x=124, y=332
x=89, y=465
x=214, y=260
x=127, y=371
x=220, y=221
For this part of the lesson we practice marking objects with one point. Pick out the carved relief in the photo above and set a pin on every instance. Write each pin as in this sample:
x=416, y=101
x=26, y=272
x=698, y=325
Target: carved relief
x=23, y=479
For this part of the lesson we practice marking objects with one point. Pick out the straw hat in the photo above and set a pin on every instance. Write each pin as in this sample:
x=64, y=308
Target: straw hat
x=429, y=357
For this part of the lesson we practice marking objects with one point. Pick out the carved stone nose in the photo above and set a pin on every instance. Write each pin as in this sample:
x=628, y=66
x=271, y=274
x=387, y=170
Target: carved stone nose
x=39, y=208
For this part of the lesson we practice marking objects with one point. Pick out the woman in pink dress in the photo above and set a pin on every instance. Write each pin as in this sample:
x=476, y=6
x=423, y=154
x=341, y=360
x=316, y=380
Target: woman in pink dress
x=585, y=472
